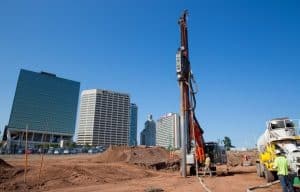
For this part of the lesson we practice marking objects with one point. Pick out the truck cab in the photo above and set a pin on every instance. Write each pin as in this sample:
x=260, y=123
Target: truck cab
x=280, y=134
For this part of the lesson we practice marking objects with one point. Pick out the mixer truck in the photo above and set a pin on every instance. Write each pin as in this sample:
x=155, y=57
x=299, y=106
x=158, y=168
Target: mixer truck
x=280, y=134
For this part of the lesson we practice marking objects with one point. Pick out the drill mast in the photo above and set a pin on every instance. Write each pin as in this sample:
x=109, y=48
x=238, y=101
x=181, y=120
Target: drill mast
x=191, y=133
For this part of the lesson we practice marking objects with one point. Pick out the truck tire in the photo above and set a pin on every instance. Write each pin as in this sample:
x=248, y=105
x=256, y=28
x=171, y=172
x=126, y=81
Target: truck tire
x=193, y=170
x=269, y=175
x=259, y=170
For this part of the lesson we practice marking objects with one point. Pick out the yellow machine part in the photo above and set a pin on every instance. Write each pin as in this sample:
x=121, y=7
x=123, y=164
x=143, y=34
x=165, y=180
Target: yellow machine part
x=268, y=157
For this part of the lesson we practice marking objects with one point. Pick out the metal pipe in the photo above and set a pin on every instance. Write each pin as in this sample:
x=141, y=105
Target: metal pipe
x=42, y=156
x=26, y=155
x=183, y=130
x=195, y=145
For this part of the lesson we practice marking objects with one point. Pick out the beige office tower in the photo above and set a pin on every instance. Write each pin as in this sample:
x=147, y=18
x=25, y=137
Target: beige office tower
x=104, y=118
x=168, y=131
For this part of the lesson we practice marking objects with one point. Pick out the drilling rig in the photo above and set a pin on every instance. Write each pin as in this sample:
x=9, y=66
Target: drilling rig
x=193, y=147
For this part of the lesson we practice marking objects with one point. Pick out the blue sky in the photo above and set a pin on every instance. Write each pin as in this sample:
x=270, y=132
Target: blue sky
x=244, y=55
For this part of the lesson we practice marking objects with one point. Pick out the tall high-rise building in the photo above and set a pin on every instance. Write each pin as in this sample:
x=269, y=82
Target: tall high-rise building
x=133, y=124
x=147, y=136
x=104, y=118
x=44, y=104
x=168, y=131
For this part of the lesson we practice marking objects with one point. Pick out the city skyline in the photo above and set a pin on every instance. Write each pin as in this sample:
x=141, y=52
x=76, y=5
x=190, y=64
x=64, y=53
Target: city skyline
x=244, y=56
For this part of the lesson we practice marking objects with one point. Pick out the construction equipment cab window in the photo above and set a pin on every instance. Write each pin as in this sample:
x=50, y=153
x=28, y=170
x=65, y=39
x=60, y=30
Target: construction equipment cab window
x=282, y=124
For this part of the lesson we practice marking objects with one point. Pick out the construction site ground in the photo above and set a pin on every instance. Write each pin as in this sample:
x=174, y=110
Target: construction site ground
x=123, y=169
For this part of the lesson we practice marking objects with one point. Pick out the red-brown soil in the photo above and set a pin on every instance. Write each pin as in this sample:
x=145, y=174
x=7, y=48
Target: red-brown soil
x=120, y=169
x=236, y=158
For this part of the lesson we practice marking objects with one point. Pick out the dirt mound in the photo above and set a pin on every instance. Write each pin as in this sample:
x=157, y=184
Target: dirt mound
x=59, y=172
x=8, y=172
x=85, y=172
x=113, y=154
x=235, y=158
x=149, y=157
x=3, y=164
x=117, y=164
x=59, y=176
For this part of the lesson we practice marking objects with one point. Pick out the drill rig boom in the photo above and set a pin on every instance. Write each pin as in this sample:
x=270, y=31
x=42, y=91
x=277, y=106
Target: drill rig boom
x=191, y=133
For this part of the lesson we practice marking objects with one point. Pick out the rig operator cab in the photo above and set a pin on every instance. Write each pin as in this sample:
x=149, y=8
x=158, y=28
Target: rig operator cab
x=215, y=151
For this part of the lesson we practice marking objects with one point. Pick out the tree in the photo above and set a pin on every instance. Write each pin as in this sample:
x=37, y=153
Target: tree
x=54, y=145
x=227, y=143
x=70, y=144
x=86, y=145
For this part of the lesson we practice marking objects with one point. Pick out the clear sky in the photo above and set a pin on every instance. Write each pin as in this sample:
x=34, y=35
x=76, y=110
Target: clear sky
x=244, y=55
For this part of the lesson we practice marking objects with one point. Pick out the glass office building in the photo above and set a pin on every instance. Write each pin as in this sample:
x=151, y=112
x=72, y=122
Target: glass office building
x=133, y=125
x=149, y=132
x=44, y=104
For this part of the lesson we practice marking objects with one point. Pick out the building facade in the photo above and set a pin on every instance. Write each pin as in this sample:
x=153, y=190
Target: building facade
x=168, y=131
x=147, y=136
x=104, y=118
x=133, y=124
x=44, y=105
